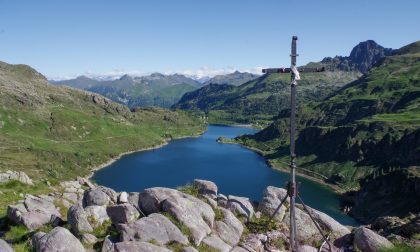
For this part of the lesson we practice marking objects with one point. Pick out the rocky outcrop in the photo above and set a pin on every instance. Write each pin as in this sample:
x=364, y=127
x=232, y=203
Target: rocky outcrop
x=138, y=246
x=369, y=241
x=175, y=219
x=272, y=197
x=154, y=227
x=124, y=213
x=229, y=229
x=241, y=206
x=215, y=243
x=206, y=187
x=59, y=239
x=78, y=220
x=33, y=212
x=99, y=196
x=190, y=211
x=15, y=175
x=328, y=223
x=4, y=247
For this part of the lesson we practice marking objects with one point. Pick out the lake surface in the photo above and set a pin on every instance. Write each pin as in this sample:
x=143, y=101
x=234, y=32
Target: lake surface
x=235, y=170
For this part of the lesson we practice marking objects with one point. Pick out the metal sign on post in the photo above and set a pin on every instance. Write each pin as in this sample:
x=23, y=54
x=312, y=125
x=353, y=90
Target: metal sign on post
x=292, y=188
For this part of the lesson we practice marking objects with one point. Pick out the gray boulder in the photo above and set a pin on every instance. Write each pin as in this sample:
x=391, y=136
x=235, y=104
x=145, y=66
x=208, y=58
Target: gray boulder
x=254, y=242
x=89, y=239
x=85, y=182
x=241, y=206
x=33, y=213
x=15, y=175
x=77, y=218
x=190, y=211
x=123, y=198
x=214, y=242
x=71, y=197
x=38, y=204
x=108, y=244
x=305, y=227
x=4, y=247
x=133, y=199
x=368, y=241
x=58, y=239
x=154, y=227
x=206, y=187
x=122, y=214
x=306, y=248
x=133, y=246
x=96, y=215
x=328, y=223
x=272, y=197
x=100, y=196
x=230, y=228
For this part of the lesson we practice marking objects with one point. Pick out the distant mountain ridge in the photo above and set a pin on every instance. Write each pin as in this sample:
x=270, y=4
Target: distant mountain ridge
x=236, y=78
x=144, y=91
x=260, y=99
x=362, y=57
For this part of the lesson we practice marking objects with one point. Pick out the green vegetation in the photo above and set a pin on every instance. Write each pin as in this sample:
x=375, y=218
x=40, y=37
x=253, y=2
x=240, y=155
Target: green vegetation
x=261, y=225
x=154, y=90
x=401, y=248
x=345, y=137
x=56, y=133
x=184, y=229
x=259, y=100
x=175, y=246
x=189, y=189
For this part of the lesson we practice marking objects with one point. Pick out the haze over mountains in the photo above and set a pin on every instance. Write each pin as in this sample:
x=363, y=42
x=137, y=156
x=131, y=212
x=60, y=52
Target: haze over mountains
x=152, y=90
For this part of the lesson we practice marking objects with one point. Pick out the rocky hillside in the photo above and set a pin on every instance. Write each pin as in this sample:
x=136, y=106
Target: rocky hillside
x=259, y=100
x=80, y=216
x=55, y=132
x=145, y=91
x=236, y=78
x=370, y=126
x=361, y=58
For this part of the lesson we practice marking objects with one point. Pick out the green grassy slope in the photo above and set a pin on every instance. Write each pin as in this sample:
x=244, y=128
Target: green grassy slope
x=258, y=101
x=370, y=124
x=145, y=91
x=57, y=132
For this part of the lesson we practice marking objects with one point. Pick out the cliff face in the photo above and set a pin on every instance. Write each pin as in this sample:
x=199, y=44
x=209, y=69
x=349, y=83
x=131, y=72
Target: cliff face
x=364, y=144
x=389, y=189
x=362, y=57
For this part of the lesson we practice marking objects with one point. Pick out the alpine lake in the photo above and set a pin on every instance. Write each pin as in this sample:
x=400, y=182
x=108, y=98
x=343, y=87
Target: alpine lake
x=235, y=169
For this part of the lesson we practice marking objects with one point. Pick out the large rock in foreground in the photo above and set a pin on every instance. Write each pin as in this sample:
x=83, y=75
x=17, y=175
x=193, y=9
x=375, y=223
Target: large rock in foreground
x=190, y=211
x=368, y=241
x=155, y=227
x=33, y=212
x=59, y=239
x=138, y=246
x=272, y=197
x=4, y=247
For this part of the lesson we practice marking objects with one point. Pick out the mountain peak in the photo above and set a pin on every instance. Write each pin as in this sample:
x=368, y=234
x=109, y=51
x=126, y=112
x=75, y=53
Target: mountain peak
x=126, y=77
x=367, y=53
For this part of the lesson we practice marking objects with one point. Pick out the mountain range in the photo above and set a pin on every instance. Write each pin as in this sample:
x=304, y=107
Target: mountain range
x=152, y=90
x=367, y=129
x=56, y=132
x=260, y=99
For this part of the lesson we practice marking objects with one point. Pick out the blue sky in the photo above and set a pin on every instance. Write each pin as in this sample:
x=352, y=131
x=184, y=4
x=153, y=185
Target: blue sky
x=69, y=38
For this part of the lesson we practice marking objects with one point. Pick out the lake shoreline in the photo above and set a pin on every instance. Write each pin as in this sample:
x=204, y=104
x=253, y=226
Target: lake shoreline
x=154, y=147
x=335, y=188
